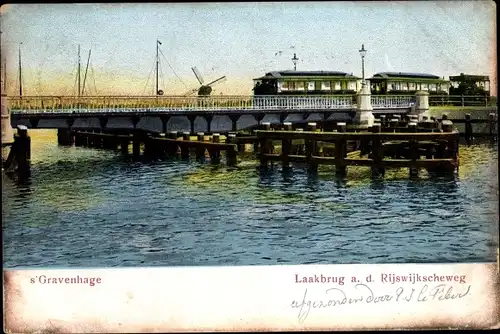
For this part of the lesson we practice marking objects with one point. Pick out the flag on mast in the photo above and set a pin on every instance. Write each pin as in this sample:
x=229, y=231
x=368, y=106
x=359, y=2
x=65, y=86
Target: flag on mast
x=158, y=42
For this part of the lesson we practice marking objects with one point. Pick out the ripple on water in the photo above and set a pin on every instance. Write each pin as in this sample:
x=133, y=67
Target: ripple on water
x=85, y=207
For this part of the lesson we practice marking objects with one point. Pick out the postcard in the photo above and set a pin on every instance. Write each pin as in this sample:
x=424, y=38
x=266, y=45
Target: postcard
x=266, y=166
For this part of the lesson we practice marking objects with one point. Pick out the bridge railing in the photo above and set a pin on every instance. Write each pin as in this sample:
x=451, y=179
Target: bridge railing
x=462, y=100
x=392, y=101
x=30, y=104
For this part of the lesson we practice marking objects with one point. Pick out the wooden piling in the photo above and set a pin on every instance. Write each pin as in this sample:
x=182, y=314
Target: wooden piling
x=214, y=152
x=124, y=144
x=20, y=152
x=231, y=154
x=468, y=129
x=492, y=123
x=200, y=151
x=414, y=151
x=383, y=120
x=377, y=153
x=340, y=151
x=64, y=137
x=172, y=147
x=286, y=146
x=136, y=144
x=393, y=123
x=186, y=136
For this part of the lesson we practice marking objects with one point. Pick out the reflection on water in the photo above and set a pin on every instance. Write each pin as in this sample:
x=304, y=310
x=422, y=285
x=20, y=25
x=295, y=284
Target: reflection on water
x=86, y=207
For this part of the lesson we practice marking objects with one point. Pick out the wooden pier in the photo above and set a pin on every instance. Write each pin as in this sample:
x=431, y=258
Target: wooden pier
x=389, y=144
x=174, y=144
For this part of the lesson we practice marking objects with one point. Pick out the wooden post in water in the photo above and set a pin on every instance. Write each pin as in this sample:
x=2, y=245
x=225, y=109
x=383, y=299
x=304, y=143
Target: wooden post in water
x=468, y=129
x=452, y=144
x=64, y=137
x=286, y=146
x=136, y=144
x=81, y=139
x=171, y=147
x=377, y=154
x=340, y=150
x=492, y=123
x=200, y=151
x=124, y=143
x=231, y=154
x=186, y=136
x=393, y=123
x=311, y=148
x=383, y=121
x=20, y=152
x=215, y=152
x=414, y=151
x=265, y=145
x=399, y=121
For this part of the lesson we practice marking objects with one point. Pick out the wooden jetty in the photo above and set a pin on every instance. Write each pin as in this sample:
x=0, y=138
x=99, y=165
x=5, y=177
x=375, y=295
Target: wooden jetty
x=158, y=145
x=395, y=141
x=389, y=144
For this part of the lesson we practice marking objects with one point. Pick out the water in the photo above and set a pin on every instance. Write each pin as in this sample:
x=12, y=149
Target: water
x=92, y=208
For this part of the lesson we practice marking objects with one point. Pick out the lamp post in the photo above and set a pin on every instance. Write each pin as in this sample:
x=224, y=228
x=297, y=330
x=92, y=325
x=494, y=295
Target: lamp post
x=295, y=60
x=362, y=52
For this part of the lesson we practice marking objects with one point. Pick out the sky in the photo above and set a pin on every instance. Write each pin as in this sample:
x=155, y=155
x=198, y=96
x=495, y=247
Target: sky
x=239, y=40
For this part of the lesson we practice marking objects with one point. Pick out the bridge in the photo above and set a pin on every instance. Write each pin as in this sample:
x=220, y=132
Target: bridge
x=195, y=114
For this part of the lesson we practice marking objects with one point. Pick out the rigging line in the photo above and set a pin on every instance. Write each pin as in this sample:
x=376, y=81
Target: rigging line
x=172, y=69
x=149, y=75
x=93, y=77
x=150, y=72
x=162, y=76
x=76, y=79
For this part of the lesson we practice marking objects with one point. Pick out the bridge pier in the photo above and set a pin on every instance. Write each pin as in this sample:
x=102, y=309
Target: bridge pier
x=364, y=115
x=136, y=144
x=215, y=153
x=124, y=144
x=65, y=137
x=81, y=139
x=185, y=149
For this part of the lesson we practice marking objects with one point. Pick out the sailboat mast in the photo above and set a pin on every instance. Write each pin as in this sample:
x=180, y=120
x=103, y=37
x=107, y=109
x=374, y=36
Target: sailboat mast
x=20, y=73
x=85, y=75
x=157, y=62
x=79, y=87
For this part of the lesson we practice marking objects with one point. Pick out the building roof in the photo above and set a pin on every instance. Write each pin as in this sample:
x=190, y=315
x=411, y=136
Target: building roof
x=469, y=77
x=387, y=75
x=295, y=74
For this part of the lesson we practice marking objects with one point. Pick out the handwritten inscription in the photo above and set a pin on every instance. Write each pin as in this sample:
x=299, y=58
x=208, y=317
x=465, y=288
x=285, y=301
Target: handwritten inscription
x=336, y=297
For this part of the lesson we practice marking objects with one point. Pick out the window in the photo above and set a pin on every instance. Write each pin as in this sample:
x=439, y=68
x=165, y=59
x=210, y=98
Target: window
x=337, y=85
x=424, y=86
x=325, y=85
x=404, y=86
x=397, y=86
x=282, y=86
x=391, y=86
x=412, y=86
x=300, y=86
x=352, y=85
x=432, y=87
x=311, y=85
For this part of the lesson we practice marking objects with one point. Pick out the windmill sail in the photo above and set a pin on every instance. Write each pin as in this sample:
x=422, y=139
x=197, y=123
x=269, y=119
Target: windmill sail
x=219, y=80
x=204, y=89
x=198, y=75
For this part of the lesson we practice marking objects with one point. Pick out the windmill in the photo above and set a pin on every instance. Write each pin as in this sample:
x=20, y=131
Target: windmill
x=204, y=90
